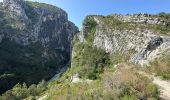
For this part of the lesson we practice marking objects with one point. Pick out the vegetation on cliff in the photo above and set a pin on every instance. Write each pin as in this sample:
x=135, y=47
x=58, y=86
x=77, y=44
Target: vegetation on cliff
x=110, y=79
x=104, y=74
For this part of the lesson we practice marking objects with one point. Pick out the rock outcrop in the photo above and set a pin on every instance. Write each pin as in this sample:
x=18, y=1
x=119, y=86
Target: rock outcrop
x=140, y=18
x=35, y=41
x=140, y=34
x=155, y=48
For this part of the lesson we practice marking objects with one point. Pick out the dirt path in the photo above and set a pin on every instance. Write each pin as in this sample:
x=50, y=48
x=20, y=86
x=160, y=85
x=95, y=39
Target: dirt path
x=42, y=98
x=164, y=86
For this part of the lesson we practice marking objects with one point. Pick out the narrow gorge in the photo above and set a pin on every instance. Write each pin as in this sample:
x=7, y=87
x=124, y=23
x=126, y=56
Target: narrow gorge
x=44, y=56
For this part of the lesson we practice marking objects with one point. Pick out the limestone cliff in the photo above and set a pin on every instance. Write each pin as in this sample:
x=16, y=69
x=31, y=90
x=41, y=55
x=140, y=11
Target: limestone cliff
x=143, y=37
x=35, y=41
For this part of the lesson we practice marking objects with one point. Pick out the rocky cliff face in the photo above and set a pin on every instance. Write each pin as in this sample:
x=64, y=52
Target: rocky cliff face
x=140, y=18
x=31, y=18
x=143, y=36
x=35, y=40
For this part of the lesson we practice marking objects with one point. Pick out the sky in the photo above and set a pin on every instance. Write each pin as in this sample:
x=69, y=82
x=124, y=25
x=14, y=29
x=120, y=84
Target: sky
x=78, y=9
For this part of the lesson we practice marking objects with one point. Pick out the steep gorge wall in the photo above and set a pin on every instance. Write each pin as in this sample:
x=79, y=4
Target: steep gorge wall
x=35, y=41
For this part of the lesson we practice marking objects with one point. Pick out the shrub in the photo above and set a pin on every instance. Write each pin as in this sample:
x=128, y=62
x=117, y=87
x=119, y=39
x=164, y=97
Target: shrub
x=161, y=67
x=89, y=22
x=129, y=97
x=164, y=15
x=20, y=92
x=127, y=83
x=91, y=61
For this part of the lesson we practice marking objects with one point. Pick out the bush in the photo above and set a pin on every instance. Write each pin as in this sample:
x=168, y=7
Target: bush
x=91, y=61
x=161, y=67
x=128, y=97
x=89, y=29
x=20, y=92
x=164, y=15
x=127, y=83
x=89, y=22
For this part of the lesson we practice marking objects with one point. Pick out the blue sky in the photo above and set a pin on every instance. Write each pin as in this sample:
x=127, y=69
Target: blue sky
x=78, y=9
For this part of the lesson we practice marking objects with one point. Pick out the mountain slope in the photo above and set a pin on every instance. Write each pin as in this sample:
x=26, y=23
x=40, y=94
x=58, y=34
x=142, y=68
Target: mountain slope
x=35, y=41
x=108, y=55
x=110, y=51
x=144, y=34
